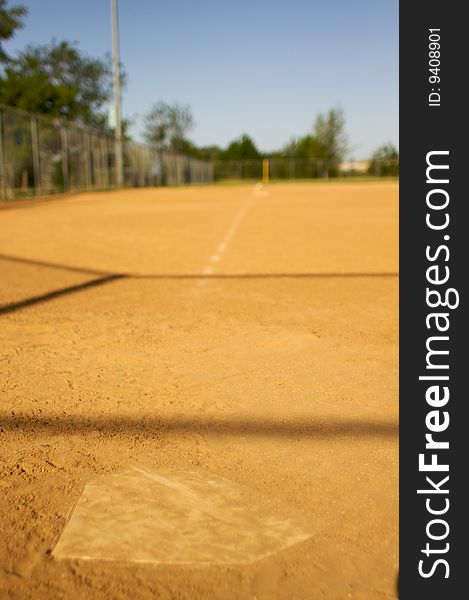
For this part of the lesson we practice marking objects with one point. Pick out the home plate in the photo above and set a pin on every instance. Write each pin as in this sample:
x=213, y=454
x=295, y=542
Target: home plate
x=140, y=515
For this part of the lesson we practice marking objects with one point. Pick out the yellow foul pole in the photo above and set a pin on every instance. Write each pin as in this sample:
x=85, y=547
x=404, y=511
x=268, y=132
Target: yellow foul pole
x=265, y=170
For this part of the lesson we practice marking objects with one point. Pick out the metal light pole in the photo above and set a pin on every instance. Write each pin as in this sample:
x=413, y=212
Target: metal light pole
x=117, y=94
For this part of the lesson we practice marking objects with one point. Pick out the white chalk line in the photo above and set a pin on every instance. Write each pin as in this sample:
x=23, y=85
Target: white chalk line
x=215, y=258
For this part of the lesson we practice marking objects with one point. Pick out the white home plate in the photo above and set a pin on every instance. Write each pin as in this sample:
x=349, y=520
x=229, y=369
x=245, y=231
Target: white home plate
x=193, y=518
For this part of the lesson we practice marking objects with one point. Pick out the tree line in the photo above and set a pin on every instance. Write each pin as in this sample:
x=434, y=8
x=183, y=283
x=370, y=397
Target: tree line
x=61, y=81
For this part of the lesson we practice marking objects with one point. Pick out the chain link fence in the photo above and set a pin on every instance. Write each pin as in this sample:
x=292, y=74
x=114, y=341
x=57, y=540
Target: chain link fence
x=40, y=156
x=290, y=169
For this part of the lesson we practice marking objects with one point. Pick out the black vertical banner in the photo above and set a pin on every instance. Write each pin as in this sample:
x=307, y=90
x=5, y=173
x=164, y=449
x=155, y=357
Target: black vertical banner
x=434, y=254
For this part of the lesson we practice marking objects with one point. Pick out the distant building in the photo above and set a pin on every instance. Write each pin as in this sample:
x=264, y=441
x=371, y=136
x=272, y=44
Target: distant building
x=358, y=166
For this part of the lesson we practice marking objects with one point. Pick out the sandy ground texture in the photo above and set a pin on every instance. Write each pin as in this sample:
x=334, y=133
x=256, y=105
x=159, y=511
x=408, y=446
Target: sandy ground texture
x=233, y=332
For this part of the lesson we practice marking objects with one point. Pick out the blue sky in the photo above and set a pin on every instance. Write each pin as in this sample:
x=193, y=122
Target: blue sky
x=262, y=67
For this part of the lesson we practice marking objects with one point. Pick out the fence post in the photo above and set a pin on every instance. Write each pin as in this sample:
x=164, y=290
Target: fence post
x=326, y=170
x=87, y=157
x=64, y=153
x=162, y=169
x=104, y=151
x=3, y=175
x=36, y=158
x=141, y=166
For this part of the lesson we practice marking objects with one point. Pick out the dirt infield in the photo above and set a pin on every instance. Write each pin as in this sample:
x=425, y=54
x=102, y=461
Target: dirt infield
x=242, y=332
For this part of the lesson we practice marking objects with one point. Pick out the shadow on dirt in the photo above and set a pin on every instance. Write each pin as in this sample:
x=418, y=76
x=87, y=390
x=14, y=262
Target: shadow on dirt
x=307, y=428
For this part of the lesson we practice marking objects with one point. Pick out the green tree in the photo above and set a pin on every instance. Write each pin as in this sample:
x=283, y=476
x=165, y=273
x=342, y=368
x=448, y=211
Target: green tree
x=11, y=19
x=166, y=125
x=242, y=149
x=58, y=80
x=306, y=147
x=385, y=161
x=329, y=131
x=386, y=152
x=210, y=152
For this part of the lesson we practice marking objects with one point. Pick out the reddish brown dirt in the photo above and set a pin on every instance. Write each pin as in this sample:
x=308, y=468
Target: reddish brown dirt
x=277, y=371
